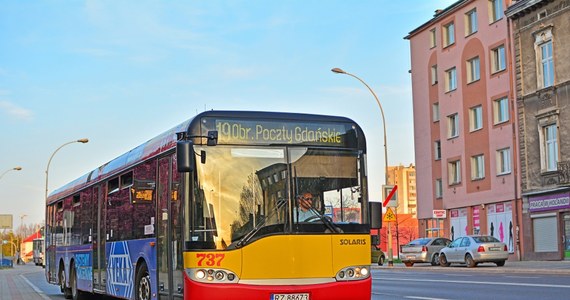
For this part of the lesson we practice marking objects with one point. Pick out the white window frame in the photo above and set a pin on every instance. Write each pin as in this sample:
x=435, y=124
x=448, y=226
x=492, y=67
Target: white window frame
x=549, y=147
x=437, y=150
x=450, y=79
x=477, y=167
x=438, y=188
x=501, y=112
x=495, y=10
x=453, y=126
x=454, y=172
x=435, y=112
x=498, y=59
x=473, y=69
x=448, y=34
x=433, y=74
x=432, y=38
x=471, y=25
x=476, y=118
x=504, y=161
x=547, y=64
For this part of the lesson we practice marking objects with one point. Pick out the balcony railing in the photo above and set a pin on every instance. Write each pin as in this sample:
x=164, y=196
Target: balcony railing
x=563, y=172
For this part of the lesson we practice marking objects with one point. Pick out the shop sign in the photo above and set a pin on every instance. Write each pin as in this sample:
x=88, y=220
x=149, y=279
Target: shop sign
x=549, y=202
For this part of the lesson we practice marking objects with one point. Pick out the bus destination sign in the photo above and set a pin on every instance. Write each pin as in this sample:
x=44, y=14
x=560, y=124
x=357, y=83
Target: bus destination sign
x=281, y=132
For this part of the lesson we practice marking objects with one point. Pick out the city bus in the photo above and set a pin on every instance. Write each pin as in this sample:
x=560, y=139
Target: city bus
x=207, y=210
x=38, y=249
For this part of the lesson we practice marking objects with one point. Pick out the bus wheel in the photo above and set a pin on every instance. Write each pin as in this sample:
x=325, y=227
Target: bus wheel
x=75, y=293
x=65, y=290
x=142, y=288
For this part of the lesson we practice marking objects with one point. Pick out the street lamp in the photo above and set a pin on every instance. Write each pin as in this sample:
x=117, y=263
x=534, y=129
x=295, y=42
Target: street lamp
x=341, y=71
x=12, y=169
x=83, y=141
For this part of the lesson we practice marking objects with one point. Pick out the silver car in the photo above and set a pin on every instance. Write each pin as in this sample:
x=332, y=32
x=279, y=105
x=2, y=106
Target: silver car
x=474, y=249
x=422, y=250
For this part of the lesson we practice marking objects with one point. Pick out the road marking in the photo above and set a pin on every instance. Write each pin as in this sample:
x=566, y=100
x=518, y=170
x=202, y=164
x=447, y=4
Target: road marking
x=424, y=298
x=478, y=282
x=36, y=289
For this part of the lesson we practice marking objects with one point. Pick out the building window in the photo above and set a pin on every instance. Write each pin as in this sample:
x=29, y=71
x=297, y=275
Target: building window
x=448, y=34
x=546, y=64
x=432, y=38
x=473, y=70
x=437, y=149
x=450, y=79
x=438, y=188
x=435, y=111
x=501, y=110
x=433, y=74
x=477, y=167
x=471, y=22
x=476, y=118
x=454, y=172
x=550, y=147
x=453, y=126
x=498, y=60
x=495, y=10
x=503, y=161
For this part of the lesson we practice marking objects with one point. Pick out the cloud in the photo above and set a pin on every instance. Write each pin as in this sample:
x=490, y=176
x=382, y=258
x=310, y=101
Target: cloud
x=16, y=111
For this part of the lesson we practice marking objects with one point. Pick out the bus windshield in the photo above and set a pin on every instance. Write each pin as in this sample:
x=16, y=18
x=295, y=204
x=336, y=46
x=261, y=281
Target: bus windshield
x=243, y=193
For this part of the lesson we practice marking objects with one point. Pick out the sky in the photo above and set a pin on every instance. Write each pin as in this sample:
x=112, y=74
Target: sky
x=122, y=72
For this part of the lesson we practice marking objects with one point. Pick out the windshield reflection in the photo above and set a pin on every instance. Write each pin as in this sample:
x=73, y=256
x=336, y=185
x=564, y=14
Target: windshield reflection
x=243, y=193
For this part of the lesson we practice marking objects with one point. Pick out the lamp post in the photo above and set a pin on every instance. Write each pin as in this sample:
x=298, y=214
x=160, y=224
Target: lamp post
x=12, y=169
x=341, y=71
x=83, y=141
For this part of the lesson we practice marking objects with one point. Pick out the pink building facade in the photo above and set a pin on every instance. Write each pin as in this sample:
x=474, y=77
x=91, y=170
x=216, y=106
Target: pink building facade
x=465, y=128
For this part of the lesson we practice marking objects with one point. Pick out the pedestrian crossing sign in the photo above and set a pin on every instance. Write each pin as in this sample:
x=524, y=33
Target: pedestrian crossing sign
x=389, y=216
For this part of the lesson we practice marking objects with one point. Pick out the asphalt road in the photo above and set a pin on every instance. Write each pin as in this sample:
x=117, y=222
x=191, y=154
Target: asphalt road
x=459, y=284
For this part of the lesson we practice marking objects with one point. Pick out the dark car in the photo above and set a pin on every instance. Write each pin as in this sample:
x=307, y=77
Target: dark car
x=378, y=255
x=423, y=250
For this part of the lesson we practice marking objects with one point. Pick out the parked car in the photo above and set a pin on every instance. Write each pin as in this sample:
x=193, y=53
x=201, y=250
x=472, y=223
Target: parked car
x=474, y=249
x=422, y=250
x=378, y=255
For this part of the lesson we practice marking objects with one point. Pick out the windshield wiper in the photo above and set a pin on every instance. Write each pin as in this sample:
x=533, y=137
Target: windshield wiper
x=247, y=237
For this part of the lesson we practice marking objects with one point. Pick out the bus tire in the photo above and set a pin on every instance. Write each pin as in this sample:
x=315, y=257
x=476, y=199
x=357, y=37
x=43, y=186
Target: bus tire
x=142, y=284
x=75, y=293
x=64, y=289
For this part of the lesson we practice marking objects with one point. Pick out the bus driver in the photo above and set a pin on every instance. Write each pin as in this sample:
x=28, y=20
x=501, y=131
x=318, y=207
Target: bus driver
x=304, y=210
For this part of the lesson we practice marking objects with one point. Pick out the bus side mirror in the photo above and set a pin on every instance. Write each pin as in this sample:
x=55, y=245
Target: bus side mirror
x=185, y=156
x=375, y=215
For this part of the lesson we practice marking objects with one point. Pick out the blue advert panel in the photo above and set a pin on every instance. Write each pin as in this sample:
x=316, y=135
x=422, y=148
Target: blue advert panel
x=122, y=260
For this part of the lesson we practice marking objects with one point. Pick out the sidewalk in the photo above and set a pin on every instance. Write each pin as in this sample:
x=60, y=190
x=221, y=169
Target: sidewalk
x=14, y=286
x=535, y=267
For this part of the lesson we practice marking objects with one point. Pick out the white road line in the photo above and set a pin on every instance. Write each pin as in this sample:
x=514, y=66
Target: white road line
x=478, y=282
x=424, y=298
x=36, y=289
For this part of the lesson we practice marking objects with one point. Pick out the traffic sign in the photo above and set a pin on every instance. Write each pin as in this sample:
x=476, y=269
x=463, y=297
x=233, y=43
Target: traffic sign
x=391, y=196
x=389, y=216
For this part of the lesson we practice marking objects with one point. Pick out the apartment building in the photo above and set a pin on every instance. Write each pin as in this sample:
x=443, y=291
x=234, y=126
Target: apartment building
x=405, y=178
x=465, y=130
x=541, y=43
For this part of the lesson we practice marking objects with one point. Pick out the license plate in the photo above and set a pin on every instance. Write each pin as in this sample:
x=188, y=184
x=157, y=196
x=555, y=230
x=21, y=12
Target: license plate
x=297, y=296
x=411, y=257
x=494, y=248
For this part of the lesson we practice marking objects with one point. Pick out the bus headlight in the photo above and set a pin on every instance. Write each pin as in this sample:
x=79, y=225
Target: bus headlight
x=353, y=273
x=212, y=275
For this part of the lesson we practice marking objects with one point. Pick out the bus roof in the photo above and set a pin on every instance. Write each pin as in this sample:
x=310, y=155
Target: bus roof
x=193, y=127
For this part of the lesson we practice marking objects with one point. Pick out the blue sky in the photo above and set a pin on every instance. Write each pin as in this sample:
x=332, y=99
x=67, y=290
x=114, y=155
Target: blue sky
x=121, y=72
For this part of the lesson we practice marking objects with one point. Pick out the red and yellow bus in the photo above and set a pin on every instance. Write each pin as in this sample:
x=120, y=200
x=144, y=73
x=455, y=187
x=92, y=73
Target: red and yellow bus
x=207, y=210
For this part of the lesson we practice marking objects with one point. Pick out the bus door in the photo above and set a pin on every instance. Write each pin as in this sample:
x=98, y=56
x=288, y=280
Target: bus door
x=99, y=235
x=169, y=252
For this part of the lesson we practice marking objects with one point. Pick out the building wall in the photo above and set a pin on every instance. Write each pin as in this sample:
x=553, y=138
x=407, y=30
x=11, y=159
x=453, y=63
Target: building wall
x=534, y=22
x=405, y=178
x=470, y=197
